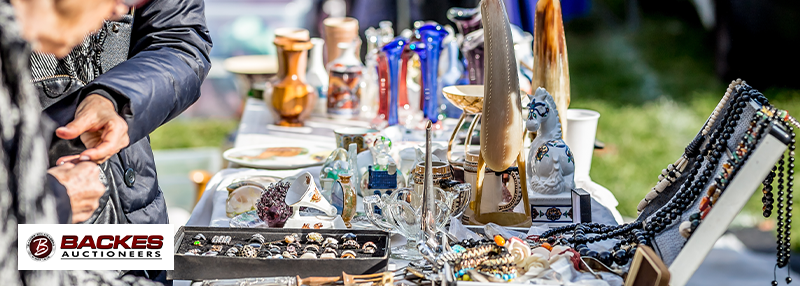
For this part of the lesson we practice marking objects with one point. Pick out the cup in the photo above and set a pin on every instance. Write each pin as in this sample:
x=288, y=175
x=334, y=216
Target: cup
x=581, y=131
x=363, y=137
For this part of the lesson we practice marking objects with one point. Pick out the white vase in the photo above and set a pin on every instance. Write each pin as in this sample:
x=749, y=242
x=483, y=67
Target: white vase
x=580, y=139
x=316, y=75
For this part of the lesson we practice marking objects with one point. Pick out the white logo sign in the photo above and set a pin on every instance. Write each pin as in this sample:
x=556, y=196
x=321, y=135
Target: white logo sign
x=95, y=247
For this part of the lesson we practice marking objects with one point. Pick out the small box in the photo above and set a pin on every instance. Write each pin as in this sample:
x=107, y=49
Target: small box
x=566, y=208
x=382, y=180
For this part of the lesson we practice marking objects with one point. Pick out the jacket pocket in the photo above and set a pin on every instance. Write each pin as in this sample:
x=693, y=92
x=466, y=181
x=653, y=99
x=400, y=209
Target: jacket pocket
x=53, y=88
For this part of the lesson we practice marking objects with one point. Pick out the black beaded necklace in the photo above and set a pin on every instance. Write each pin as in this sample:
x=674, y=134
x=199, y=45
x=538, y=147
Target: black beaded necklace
x=643, y=231
x=783, y=169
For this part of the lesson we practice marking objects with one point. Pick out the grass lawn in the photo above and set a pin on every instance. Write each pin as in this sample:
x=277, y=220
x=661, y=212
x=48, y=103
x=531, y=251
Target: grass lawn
x=654, y=86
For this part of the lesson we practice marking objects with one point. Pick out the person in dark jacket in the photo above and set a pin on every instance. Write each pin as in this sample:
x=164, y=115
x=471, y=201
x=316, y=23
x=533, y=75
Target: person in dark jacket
x=132, y=76
x=52, y=26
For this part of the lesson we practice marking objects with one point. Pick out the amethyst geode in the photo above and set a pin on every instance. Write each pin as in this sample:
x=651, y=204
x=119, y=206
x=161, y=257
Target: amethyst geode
x=272, y=207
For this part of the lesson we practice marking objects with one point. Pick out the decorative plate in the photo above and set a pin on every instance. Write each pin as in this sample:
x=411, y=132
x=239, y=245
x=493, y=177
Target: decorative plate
x=276, y=156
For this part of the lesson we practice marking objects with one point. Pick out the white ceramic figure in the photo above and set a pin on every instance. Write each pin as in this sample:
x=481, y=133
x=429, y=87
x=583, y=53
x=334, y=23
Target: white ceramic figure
x=551, y=165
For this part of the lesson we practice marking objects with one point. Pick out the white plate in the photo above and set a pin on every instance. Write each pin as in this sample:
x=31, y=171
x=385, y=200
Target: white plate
x=305, y=158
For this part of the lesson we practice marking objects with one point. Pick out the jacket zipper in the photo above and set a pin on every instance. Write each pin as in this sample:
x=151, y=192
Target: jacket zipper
x=57, y=76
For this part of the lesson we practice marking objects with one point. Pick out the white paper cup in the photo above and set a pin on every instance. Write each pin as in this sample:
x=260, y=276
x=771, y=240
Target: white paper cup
x=581, y=131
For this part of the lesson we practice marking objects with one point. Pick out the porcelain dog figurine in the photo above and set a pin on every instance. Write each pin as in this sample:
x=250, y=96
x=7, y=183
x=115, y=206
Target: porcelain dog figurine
x=551, y=166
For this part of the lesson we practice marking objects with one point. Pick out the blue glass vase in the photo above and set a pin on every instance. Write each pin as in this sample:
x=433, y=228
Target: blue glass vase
x=429, y=48
x=391, y=56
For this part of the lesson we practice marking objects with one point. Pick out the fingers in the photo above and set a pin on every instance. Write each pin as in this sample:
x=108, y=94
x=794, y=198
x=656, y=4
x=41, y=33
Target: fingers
x=84, y=190
x=114, y=138
x=68, y=159
x=83, y=122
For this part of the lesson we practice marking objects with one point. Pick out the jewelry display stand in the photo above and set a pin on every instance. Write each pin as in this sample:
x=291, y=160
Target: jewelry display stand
x=729, y=205
x=684, y=256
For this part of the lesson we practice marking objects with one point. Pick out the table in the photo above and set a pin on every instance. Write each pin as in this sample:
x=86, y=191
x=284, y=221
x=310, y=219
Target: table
x=255, y=129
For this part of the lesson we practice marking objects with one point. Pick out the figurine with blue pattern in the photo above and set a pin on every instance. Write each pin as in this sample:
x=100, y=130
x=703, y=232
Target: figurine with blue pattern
x=551, y=165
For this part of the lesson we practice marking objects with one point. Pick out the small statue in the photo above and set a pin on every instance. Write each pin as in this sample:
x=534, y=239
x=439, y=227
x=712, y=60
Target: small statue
x=551, y=165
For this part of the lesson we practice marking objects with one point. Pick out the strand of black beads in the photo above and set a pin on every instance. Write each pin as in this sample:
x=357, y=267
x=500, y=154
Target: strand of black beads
x=780, y=207
x=787, y=244
x=767, y=201
x=692, y=187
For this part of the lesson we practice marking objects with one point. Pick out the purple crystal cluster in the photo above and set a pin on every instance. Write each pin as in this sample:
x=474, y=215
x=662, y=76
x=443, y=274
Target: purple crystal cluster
x=272, y=207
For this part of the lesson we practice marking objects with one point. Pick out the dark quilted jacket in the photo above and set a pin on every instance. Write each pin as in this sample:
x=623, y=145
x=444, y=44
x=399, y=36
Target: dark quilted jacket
x=152, y=73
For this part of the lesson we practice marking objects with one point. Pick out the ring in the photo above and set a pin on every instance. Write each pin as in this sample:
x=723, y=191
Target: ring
x=328, y=256
x=257, y=238
x=349, y=236
x=330, y=242
x=350, y=244
x=329, y=250
x=308, y=255
x=232, y=251
x=216, y=248
x=199, y=236
x=369, y=247
x=248, y=251
x=311, y=247
x=290, y=238
x=314, y=237
x=348, y=254
x=194, y=251
x=287, y=254
x=210, y=253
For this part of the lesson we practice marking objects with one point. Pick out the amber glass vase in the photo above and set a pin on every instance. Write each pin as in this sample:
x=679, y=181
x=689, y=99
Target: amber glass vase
x=290, y=96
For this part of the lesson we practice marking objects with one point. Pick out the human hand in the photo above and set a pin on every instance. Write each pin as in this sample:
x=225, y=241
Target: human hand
x=82, y=181
x=101, y=129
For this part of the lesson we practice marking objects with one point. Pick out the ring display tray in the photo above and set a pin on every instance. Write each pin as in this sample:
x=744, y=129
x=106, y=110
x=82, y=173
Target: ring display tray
x=198, y=267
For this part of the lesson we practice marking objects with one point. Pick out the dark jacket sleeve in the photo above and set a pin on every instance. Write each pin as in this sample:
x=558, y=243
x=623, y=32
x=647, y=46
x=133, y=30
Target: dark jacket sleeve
x=63, y=206
x=168, y=60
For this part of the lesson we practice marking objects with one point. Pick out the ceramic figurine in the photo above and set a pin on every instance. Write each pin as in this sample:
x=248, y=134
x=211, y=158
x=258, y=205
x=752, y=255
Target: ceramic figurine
x=551, y=67
x=344, y=88
x=349, y=210
x=292, y=97
x=551, y=165
x=316, y=75
x=429, y=48
x=501, y=124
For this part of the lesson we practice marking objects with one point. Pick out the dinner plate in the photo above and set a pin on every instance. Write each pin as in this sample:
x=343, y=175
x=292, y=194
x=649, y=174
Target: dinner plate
x=278, y=156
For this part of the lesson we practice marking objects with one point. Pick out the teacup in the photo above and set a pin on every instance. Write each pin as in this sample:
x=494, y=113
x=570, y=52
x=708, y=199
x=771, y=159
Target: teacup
x=363, y=137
